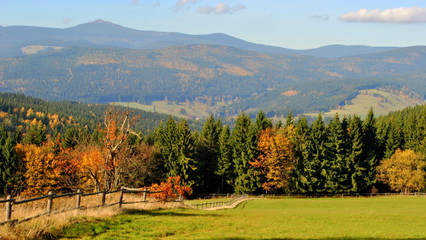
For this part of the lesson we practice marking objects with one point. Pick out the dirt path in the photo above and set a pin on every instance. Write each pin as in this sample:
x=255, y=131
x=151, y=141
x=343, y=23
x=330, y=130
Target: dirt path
x=233, y=205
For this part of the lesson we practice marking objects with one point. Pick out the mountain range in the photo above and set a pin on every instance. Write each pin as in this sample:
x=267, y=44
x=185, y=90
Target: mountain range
x=101, y=62
x=103, y=34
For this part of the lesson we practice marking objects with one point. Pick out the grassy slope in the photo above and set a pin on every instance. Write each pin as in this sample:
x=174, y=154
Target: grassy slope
x=193, y=110
x=347, y=218
x=381, y=101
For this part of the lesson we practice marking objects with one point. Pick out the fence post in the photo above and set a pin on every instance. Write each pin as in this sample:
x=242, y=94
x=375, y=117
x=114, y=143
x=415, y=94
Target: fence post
x=103, y=198
x=78, y=199
x=8, y=208
x=50, y=202
x=144, y=195
x=120, y=200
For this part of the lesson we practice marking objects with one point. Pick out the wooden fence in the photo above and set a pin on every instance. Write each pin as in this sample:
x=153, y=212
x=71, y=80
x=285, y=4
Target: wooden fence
x=78, y=196
x=206, y=205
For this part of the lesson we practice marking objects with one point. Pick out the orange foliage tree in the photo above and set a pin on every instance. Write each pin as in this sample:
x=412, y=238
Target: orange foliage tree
x=116, y=130
x=89, y=160
x=42, y=173
x=171, y=189
x=404, y=171
x=276, y=157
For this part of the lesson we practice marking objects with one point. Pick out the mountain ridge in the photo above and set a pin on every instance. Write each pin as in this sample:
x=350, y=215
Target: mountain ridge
x=101, y=33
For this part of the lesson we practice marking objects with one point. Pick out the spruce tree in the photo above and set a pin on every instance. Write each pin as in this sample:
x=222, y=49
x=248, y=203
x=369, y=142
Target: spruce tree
x=186, y=159
x=244, y=144
x=262, y=122
x=225, y=167
x=338, y=143
x=208, y=152
x=356, y=160
x=36, y=135
x=317, y=166
x=370, y=151
x=299, y=183
x=11, y=167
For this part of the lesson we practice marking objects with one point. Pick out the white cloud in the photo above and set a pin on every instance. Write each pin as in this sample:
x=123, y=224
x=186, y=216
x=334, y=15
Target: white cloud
x=182, y=3
x=221, y=8
x=135, y=2
x=394, y=15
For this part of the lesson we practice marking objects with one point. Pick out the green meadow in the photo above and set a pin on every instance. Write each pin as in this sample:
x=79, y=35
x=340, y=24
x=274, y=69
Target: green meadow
x=284, y=218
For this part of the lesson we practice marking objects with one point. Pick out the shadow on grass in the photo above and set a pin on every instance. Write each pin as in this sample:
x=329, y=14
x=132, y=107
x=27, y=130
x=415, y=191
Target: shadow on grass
x=154, y=213
x=342, y=238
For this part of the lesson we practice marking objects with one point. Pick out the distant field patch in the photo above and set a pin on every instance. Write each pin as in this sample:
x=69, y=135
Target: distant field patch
x=290, y=93
x=286, y=218
x=190, y=110
x=381, y=101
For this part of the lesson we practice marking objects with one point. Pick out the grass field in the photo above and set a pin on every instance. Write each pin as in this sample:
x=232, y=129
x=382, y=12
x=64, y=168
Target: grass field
x=287, y=218
x=184, y=110
x=382, y=102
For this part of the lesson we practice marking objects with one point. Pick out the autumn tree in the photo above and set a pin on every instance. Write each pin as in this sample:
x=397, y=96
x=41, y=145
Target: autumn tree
x=42, y=174
x=404, y=171
x=276, y=158
x=143, y=166
x=90, y=163
x=171, y=189
x=117, y=127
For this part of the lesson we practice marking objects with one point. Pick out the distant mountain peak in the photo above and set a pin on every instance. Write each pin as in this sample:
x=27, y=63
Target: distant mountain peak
x=97, y=21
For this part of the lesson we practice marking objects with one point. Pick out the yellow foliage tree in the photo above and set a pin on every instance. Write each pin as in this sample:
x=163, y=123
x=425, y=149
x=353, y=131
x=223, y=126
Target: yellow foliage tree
x=90, y=163
x=404, y=171
x=42, y=174
x=276, y=158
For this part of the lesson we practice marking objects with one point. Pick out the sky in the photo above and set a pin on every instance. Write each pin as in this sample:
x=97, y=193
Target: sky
x=296, y=24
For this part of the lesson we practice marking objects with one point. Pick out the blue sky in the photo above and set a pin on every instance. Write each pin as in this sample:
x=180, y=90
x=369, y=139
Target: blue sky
x=298, y=24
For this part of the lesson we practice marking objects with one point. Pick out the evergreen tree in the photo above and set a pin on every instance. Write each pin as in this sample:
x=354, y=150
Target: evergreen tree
x=36, y=134
x=262, y=122
x=338, y=143
x=244, y=145
x=11, y=167
x=299, y=183
x=70, y=138
x=208, y=152
x=225, y=168
x=167, y=141
x=318, y=165
x=186, y=161
x=370, y=151
x=355, y=160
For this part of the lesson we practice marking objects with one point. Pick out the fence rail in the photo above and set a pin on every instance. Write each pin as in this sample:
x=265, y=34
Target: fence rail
x=10, y=202
x=215, y=204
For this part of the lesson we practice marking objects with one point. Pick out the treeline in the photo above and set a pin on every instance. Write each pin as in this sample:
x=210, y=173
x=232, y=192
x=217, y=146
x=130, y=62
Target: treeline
x=344, y=155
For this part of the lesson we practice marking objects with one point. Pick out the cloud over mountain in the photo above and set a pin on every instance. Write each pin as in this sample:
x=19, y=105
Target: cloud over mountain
x=393, y=15
x=182, y=3
x=221, y=8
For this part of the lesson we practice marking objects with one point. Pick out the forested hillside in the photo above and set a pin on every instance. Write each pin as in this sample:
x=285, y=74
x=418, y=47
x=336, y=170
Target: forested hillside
x=241, y=79
x=18, y=112
x=343, y=155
